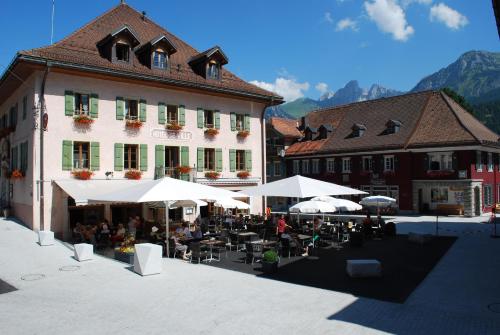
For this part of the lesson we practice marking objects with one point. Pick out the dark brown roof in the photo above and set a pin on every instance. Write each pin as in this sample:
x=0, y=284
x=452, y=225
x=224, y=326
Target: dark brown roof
x=81, y=48
x=286, y=127
x=427, y=119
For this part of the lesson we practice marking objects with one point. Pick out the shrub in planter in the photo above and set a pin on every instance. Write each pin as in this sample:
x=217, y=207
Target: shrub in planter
x=183, y=169
x=211, y=131
x=243, y=133
x=83, y=120
x=243, y=174
x=174, y=126
x=270, y=261
x=82, y=174
x=133, y=124
x=212, y=175
x=390, y=229
x=356, y=239
x=133, y=174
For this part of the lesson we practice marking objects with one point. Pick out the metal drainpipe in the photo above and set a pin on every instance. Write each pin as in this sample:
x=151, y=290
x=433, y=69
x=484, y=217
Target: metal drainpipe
x=263, y=149
x=41, y=127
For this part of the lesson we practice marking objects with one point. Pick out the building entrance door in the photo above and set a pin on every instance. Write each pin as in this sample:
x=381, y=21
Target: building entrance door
x=477, y=201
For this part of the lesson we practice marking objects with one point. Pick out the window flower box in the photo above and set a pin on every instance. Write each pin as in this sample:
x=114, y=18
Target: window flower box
x=439, y=173
x=243, y=174
x=211, y=131
x=82, y=174
x=133, y=174
x=212, y=175
x=133, y=124
x=243, y=133
x=183, y=169
x=174, y=126
x=16, y=174
x=83, y=120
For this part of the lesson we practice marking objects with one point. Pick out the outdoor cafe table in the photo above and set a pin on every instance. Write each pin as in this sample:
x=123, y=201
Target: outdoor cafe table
x=266, y=244
x=211, y=244
x=303, y=238
x=246, y=236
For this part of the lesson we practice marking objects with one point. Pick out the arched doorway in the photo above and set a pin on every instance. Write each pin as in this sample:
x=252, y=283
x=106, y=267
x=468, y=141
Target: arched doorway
x=477, y=201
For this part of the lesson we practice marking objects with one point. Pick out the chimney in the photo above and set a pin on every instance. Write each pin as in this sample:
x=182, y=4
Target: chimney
x=143, y=15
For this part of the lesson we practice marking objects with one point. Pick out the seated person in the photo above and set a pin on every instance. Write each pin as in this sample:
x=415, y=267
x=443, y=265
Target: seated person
x=367, y=224
x=295, y=243
x=119, y=236
x=380, y=221
x=78, y=232
x=89, y=234
x=197, y=233
x=180, y=247
x=186, y=231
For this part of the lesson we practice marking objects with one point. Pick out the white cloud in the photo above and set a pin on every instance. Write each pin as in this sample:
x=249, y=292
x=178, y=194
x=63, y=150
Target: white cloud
x=347, y=23
x=328, y=17
x=288, y=88
x=450, y=17
x=406, y=3
x=321, y=88
x=389, y=18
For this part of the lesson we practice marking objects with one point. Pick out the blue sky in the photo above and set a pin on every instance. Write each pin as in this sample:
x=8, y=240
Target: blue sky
x=298, y=48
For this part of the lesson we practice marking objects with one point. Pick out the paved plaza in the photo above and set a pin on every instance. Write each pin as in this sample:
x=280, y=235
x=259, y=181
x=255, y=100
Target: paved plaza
x=58, y=295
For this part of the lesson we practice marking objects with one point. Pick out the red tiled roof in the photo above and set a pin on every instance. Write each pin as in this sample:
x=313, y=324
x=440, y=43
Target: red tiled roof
x=427, y=119
x=286, y=127
x=80, y=48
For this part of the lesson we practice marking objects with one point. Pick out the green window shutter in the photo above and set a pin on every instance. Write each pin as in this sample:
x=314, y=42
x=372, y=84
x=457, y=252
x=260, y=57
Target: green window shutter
x=159, y=160
x=248, y=160
x=120, y=108
x=142, y=110
x=201, y=118
x=14, y=158
x=182, y=115
x=67, y=155
x=185, y=156
x=218, y=159
x=94, y=105
x=118, y=156
x=94, y=156
x=143, y=148
x=69, y=103
x=217, y=119
x=233, y=121
x=200, y=159
x=232, y=160
x=247, y=122
x=161, y=113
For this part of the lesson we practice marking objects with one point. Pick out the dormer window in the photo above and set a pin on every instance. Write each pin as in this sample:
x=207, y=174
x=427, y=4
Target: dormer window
x=160, y=59
x=213, y=70
x=324, y=131
x=393, y=126
x=309, y=133
x=358, y=130
x=122, y=52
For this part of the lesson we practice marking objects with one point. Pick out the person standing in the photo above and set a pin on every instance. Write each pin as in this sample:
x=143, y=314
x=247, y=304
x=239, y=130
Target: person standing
x=281, y=226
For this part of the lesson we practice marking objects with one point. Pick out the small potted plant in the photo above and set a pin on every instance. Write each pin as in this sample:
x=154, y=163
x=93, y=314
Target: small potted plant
x=83, y=174
x=16, y=174
x=243, y=133
x=211, y=131
x=133, y=124
x=83, y=120
x=243, y=174
x=133, y=174
x=174, y=126
x=270, y=261
x=212, y=175
x=183, y=169
x=125, y=253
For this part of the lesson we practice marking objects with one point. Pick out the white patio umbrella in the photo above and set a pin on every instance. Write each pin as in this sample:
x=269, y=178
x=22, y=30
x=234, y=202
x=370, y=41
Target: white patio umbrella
x=313, y=207
x=299, y=187
x=341, y=204
x=166, y=190
x=231, y=203
x=377, y=200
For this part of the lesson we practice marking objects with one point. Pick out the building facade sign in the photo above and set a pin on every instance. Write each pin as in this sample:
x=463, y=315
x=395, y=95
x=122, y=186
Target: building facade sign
x=171, y=134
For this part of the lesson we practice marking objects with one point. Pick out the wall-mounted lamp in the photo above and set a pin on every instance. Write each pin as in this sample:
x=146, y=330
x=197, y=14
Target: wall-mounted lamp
x=109, y=173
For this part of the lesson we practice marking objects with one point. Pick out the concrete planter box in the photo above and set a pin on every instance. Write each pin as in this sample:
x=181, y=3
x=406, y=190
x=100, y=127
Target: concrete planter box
x=148, y=259
x=45, y=237
x=125, y=257
x=84, y=251
x=364, y=268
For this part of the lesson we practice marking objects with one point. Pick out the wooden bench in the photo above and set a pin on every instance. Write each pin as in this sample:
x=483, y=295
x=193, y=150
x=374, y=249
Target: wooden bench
x=449, y=209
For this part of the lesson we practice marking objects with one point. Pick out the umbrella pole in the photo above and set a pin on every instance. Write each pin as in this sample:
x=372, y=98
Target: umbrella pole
x=167, y=229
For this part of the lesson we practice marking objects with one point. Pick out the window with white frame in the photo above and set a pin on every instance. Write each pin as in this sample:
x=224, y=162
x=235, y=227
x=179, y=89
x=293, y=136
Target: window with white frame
x=315, y=166
x=440, y=161
x=389, y=163
x=277, y=168
x=296, y=167
x=479, y=161
x=330, y=165
x=346, y=165
x=490, y=162
x=367, y=163
x=305, y=166
x=488, y=195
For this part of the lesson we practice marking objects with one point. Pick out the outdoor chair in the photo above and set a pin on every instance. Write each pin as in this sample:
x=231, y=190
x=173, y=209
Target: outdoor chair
x=197, y=252
x=286, y=247
x=254, y=252
x=233, y=242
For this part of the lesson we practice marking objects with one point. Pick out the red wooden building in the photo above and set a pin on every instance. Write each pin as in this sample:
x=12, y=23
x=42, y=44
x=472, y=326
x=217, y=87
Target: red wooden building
x=423, y=149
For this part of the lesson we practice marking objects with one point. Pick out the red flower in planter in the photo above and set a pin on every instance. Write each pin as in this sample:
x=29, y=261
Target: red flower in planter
x=183, y=169
x=16, y=174
x=389, y=173
x=133, y=174
x=133, y=124
x=243, y=174
x=82, y=174
x=211, y=131
x=212, y=175
x=83, y=120
x=439, y=173
x=174, y=126
x=243, y=133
